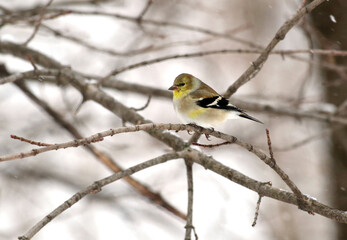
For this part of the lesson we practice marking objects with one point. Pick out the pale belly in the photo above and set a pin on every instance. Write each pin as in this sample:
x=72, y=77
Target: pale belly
x=205, y=117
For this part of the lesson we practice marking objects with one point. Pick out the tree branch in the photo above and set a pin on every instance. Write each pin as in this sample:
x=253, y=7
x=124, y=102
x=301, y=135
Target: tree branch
x=95, y=188
x=101, y=156
x=253, y=70
x=189, y=225
x=93, y=93
x=264, y=189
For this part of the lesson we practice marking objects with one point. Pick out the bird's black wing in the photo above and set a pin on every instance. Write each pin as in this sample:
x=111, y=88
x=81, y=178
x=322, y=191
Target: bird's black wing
x=217, y=102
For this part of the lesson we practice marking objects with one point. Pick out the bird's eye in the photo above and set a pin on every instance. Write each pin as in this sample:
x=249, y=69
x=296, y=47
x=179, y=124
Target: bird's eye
x=181, y=85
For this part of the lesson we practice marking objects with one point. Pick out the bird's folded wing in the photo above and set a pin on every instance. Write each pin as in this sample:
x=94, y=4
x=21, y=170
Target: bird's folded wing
x=217, y=102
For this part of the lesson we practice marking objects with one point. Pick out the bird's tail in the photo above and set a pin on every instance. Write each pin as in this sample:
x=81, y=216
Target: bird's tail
x=245, y=115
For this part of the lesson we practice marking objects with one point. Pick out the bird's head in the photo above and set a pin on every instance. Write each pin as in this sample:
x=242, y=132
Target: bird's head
x=184, y=84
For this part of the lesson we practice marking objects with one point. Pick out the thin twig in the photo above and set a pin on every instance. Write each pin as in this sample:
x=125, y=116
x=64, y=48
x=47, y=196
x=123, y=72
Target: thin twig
x=32, y=62
x=144, y=10
x=195, y=234
x=302, y=199
x=256, y=214
x=210, y=145
x=145, y=106
x=189, y=223
x=38, y=24
x=257, y=211
x=269, y=144
x=30, y=141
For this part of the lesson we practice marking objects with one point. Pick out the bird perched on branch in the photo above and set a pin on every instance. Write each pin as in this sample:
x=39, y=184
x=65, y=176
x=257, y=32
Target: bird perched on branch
x=197, y=103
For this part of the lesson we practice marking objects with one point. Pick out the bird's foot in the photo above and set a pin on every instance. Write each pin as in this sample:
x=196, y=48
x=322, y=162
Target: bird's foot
x=208, y=135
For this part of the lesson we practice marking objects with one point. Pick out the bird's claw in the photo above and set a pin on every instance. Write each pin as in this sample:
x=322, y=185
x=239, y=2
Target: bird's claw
x=207, y=137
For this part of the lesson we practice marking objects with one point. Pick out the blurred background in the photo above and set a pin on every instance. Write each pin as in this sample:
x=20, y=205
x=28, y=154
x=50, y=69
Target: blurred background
x=95, y=37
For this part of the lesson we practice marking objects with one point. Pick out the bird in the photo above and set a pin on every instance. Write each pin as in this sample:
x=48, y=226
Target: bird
x=196, y=103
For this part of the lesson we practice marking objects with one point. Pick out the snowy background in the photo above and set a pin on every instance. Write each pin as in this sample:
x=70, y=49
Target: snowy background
x=30, y=188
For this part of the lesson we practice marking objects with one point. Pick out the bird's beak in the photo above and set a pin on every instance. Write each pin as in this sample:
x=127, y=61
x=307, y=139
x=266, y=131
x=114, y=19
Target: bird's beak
x=173, y=87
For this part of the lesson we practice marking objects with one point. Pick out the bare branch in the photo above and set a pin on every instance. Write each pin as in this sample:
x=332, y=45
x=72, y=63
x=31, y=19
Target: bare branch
x=141, y=188
x=95, y=188
x=208, y=163
x=189, y=225
x=93, y=93
x=177, y=127
x=264, y=189
x=252, y=71
x=29, y=74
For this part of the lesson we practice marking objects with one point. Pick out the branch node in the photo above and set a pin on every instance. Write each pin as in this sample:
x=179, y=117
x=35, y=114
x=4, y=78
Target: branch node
x=96, y=187
x=23, y=238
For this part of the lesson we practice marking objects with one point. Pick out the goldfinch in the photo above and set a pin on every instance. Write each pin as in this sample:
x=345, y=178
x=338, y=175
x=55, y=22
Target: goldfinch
x=197, y=103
